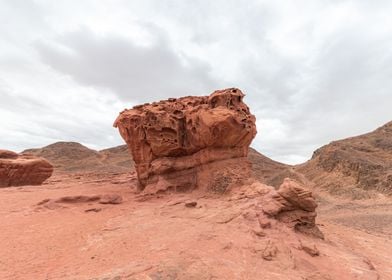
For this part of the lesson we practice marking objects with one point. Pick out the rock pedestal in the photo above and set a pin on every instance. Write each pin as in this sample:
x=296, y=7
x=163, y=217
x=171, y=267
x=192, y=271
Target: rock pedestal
x=188, y=142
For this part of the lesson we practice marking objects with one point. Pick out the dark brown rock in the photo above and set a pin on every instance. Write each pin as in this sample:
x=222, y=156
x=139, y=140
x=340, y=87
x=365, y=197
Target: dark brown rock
x=191, y=204
x=93, y=210
x=78, y=199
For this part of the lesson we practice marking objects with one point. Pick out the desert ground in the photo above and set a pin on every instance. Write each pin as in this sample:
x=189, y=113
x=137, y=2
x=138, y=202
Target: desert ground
x=159, y=237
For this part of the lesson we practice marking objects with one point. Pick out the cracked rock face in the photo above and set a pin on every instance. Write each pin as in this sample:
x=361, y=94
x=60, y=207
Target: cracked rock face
x=187, y=142
x=23, y=169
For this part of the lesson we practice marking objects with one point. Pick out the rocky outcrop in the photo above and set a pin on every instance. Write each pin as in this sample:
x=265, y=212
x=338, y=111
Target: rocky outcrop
x=354, y=166
x=19, y=170
x=293, y=205
x=190, y=141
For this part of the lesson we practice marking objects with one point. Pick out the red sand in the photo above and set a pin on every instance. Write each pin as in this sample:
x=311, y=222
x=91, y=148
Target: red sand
x=158, y=237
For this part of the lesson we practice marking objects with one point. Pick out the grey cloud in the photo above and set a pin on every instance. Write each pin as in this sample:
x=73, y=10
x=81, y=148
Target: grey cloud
x=133, y=72
x=13, y=102
x=19, y=20
x=341, y=88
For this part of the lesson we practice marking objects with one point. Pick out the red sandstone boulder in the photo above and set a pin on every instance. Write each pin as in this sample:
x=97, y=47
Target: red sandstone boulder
x=293, y=205
x=19, y=170
x=189, y=142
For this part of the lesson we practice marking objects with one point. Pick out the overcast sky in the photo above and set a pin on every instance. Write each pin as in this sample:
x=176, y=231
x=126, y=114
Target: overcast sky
x=312, y=71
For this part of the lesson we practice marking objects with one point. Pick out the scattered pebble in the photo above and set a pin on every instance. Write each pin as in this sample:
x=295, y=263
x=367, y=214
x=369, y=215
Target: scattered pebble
x=93, y=210
x=191, y=204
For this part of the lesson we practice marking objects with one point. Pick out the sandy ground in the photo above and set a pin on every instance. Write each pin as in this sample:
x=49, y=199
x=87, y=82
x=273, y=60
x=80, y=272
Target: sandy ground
x=160, y=238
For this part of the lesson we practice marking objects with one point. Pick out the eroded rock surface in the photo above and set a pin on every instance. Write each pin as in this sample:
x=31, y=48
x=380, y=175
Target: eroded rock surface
x=293, y=205
x=19, y=170
x=186, y=142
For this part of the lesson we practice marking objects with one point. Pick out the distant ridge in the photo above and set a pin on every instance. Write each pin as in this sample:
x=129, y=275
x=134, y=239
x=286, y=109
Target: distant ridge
x=74, y=157
x=353, y=165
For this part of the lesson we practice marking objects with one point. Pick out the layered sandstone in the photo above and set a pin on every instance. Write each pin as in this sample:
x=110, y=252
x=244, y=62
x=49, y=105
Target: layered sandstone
x=19, y=170
x=293, y=205
x=182, y=143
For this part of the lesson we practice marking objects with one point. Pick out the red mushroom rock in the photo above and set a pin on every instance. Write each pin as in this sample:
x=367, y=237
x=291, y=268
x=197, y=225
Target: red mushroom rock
x=190, y=142
x=22, y=169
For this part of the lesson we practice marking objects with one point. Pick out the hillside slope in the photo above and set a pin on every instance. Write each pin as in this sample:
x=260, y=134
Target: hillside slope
x=74, y=157
x=353, y=165
x=271, y=172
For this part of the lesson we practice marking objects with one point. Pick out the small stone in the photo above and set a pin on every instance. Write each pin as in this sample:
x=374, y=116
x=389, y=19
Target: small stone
x=93, y=210
x=249, y=215
x=110, y=199
x=228, y=246
x=259, y=233
x=270, y=251
x=191, y=204
x=310, y=249
x=264, y=222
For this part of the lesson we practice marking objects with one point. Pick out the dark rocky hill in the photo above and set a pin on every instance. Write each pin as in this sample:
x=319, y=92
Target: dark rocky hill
x=353, y=165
